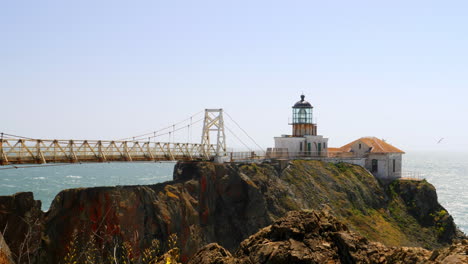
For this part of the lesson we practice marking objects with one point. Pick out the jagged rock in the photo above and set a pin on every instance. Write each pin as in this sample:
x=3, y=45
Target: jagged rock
x=313, y=237
x=457, y=253
x=317, y=237
x=22, y=223
x=215, y=254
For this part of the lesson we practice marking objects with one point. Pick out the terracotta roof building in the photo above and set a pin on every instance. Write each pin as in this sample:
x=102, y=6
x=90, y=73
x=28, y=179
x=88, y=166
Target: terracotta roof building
x=381, y=158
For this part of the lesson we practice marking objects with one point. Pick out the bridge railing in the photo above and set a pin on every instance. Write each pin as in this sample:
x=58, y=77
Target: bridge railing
x=279, y=153
x=283, y=153
x=246, y=155
x=17, y=151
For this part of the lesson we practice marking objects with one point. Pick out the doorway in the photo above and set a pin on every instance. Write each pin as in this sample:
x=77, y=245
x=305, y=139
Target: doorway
x=375, y=165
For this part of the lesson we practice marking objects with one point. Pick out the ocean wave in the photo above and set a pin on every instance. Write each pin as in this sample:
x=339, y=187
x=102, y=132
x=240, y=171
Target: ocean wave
x=153, y=178
x=39, y=178
x=73, y=177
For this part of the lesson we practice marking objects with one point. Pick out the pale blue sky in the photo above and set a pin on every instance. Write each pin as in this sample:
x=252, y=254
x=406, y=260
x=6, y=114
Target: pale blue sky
x=397, y=70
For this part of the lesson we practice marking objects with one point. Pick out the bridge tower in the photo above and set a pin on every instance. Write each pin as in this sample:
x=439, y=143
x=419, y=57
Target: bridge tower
x=214, y=122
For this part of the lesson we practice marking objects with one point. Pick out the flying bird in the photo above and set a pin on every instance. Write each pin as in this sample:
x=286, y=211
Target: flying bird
x=440, y=140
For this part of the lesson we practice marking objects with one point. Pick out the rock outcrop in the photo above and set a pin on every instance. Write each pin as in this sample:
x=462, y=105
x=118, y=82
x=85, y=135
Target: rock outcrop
x=420, y=201
x=318, y=237
x=225, y=203
x=22, y=224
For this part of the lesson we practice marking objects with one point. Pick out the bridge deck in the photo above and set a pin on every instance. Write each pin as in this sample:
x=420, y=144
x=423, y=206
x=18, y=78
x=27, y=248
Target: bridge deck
x=27, y=151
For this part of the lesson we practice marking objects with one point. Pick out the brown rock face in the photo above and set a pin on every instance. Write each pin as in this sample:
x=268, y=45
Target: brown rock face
x=457, y=253
x=22, y=222
x=210, y=203
x=214, y=253
x=317, y=237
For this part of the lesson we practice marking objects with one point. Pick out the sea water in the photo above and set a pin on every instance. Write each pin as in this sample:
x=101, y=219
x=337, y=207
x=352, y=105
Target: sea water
x=47, y=181
x=448, y=172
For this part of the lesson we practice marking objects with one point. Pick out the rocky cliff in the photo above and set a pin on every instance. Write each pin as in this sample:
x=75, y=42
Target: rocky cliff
x=226, y=203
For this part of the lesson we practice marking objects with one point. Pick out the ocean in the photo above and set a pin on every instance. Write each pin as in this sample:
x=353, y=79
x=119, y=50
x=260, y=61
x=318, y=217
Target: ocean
x=448, y=172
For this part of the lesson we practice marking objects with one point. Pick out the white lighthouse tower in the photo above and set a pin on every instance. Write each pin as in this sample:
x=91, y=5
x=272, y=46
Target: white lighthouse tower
x=304, y=141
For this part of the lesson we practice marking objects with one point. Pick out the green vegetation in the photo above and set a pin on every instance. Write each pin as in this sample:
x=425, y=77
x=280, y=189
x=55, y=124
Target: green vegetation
x=390, y=214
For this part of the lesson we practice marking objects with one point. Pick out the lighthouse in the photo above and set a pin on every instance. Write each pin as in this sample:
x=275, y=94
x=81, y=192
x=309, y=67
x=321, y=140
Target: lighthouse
x=302, y=119
x=304, y=141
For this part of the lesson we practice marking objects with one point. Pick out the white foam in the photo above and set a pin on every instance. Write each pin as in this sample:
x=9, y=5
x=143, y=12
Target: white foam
x=73, y=177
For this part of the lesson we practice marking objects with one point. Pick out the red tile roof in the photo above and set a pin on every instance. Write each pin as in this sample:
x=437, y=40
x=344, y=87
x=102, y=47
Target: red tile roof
x=334, y=149
x=376, y=145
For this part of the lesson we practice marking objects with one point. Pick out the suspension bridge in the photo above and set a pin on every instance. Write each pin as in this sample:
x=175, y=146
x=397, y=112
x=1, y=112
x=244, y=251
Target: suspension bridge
x=144, y=147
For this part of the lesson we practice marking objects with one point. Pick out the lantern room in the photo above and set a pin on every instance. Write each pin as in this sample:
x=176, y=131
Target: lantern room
x=302, y=119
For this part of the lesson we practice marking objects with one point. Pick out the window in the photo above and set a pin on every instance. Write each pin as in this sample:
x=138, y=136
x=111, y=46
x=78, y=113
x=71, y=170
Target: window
x=359, y=145
x=319, y=148
x=309, y=147
x=300, y=146
x=393, y=165
x=302, y=116
x=324, y=145
x=375, y=165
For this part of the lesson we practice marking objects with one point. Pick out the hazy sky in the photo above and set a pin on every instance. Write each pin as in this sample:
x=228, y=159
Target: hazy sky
x=397, y=70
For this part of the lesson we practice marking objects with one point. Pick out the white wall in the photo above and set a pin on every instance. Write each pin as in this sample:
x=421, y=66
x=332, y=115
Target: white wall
x=315, y=140
x=385, y=165
x=360, y=152
x=293, y=144
x=398, y=157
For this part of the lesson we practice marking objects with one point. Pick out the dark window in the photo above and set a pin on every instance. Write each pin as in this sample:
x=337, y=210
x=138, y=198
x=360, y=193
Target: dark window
x=393, y=165
x=359, y=146
x=300, y=146
x=319, y=148
x=309, y=147
x=324, y=145
x=375, y=165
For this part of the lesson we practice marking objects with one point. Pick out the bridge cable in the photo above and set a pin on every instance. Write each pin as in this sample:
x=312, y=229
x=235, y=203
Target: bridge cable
x=16, y=137
x=245, y=145
x=37, y=166
x=171, y=132
x=168, y=127
x=10, y=136
x=244, y=131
